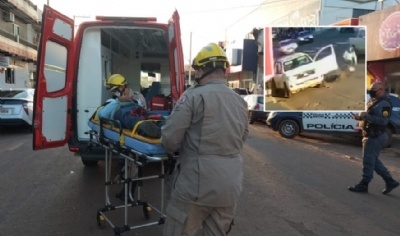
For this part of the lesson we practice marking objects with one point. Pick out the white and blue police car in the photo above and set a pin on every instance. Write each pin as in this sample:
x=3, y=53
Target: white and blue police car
x=290, y=124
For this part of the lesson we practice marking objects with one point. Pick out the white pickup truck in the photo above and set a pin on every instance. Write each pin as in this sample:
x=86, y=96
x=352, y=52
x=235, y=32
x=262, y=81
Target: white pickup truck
x=358, y=42
x=299, y=71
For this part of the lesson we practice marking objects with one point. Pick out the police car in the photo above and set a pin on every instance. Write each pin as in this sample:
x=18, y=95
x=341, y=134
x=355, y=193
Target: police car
x=299, y=71
x=290, y=124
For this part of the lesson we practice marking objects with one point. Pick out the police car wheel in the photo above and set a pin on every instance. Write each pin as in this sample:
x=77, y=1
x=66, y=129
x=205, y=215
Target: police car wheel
x=288, y=129
x=251, y=119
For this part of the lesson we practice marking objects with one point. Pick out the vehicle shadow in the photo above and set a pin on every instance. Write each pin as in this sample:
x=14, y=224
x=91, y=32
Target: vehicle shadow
x=14, y=130
x=333, y=139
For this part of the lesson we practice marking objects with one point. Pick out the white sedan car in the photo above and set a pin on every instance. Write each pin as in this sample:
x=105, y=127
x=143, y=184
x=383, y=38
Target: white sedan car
x=16, y=107
x=287, y=46
x=299, y=71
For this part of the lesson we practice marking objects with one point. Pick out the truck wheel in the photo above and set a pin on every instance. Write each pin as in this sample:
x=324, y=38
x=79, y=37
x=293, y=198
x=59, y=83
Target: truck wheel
x=390, y=138
x=89, y=163
x=273, y=88
x=288, y=94
x=251, y=119
x=288, y=129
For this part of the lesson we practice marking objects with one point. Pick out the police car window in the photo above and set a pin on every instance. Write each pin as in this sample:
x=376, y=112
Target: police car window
x=260, y=99
x=296, y=62
x=395, y=101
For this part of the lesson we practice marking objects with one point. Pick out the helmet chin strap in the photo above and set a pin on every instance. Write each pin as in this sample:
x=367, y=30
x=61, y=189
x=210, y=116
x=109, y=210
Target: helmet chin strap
x=204, y=75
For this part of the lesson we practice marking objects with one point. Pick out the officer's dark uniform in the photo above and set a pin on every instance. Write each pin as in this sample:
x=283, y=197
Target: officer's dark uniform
x=374, y=138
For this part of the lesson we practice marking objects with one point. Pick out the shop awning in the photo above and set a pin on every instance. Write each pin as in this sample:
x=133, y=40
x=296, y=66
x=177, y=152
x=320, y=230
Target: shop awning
x=350, y=21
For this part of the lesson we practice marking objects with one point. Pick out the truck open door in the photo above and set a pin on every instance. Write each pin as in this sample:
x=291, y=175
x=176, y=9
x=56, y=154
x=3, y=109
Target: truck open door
x=325, y=60
x=177, y=70
x=54, y=77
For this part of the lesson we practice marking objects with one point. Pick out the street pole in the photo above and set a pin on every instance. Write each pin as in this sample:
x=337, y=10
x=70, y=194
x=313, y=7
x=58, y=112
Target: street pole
x=48, y=2
x=190, y=60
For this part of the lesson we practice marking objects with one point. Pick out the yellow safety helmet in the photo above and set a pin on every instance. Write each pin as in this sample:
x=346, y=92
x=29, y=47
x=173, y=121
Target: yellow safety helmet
x=115, y=80
x=212, y=56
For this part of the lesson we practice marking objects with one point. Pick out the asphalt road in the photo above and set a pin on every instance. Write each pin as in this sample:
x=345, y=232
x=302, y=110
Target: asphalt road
x=346, y=93
x=292, y=187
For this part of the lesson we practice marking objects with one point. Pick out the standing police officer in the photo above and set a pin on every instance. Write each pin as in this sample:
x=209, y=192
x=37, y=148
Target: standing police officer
x=209, y=127
x=374, y=123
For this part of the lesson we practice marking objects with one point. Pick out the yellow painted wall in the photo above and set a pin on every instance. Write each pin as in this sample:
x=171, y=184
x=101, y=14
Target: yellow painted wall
x=370, y=78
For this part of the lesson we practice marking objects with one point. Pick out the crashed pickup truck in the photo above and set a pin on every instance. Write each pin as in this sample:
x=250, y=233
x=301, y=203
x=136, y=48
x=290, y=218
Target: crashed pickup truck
x=299, y=71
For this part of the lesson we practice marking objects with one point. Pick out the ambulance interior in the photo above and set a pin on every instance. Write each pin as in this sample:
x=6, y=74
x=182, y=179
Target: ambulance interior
x=139, y=54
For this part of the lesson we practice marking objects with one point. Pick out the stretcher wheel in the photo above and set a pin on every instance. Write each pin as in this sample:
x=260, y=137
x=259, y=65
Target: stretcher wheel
x=101, y=221
x=146, y=212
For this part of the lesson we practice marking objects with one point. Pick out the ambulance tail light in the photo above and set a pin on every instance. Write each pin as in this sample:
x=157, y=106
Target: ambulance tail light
x=257, y=107
x=126, y=19
x=74, y=149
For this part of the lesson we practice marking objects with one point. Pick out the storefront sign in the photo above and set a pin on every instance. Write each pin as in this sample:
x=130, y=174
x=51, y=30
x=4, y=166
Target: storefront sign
x=389, y=32
x=383, y=33
x=4, y=61
x=305, y=16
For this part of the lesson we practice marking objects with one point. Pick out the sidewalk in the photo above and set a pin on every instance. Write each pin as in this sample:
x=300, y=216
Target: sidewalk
x=275, y=104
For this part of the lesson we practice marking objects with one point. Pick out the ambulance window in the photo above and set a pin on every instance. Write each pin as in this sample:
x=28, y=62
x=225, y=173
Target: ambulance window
x=105, y=70
x=55, y=65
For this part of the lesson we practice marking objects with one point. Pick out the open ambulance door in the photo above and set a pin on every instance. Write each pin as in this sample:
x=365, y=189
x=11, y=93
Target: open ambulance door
x=177, y=70
x=54, y=77
x=325, y=60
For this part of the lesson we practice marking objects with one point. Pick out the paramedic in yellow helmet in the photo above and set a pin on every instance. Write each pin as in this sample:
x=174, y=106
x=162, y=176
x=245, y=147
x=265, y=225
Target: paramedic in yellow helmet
x=208, y=125
x=118, y=84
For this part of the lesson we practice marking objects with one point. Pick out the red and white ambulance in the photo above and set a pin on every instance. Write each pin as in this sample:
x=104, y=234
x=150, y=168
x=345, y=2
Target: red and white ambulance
x=72, y=70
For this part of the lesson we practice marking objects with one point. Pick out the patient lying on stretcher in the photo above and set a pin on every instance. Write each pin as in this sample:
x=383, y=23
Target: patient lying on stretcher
x=130, y=114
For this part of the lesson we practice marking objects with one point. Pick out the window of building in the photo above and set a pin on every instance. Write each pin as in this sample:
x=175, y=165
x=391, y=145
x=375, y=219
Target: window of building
x=9, y=76
x=16, y=29
x=360, y=12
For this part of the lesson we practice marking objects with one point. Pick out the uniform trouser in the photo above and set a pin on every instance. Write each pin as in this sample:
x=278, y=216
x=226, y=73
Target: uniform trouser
x=371, y=149
x=184, y=219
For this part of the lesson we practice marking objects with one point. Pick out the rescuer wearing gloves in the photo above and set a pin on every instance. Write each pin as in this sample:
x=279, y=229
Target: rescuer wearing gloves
x=374, y=123
x=209, y=127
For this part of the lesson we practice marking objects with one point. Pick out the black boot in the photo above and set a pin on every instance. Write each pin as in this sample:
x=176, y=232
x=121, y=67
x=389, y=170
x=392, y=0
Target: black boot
x=390, y=185
x=362, y=187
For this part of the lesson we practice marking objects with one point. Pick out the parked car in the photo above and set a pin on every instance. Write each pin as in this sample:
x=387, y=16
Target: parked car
x=299, y=71
x=16, y=107
x=290, y=124
x=304, y=37
x=287, y=46
x=241, y=91
x=255, y=104
x=358, y=42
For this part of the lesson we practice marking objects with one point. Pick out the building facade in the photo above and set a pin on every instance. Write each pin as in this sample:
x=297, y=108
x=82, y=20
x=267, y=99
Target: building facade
x=294, y=13
x=20, y=23
x=383, y=46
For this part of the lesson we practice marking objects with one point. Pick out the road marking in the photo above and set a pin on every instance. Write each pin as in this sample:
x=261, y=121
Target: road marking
x=15, y=147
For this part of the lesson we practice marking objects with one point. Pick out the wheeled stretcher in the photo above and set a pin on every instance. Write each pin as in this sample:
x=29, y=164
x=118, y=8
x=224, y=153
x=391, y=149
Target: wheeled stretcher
x=136, y=151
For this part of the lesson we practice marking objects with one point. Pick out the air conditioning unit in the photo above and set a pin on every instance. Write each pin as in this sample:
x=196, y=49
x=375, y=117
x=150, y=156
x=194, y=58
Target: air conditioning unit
x=9, y=17
x=16, y=38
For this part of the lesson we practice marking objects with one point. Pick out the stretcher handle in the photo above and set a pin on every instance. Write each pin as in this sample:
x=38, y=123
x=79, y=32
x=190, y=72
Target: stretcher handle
x=112, y=123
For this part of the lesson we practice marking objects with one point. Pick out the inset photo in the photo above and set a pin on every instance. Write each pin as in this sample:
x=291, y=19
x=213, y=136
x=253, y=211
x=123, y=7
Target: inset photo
x=315, y=68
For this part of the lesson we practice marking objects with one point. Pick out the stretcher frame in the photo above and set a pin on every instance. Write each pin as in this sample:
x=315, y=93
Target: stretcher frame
x=129, y=177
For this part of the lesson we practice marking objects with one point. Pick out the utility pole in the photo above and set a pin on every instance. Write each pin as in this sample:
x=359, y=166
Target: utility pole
x=190, y=60
x=48, y=2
